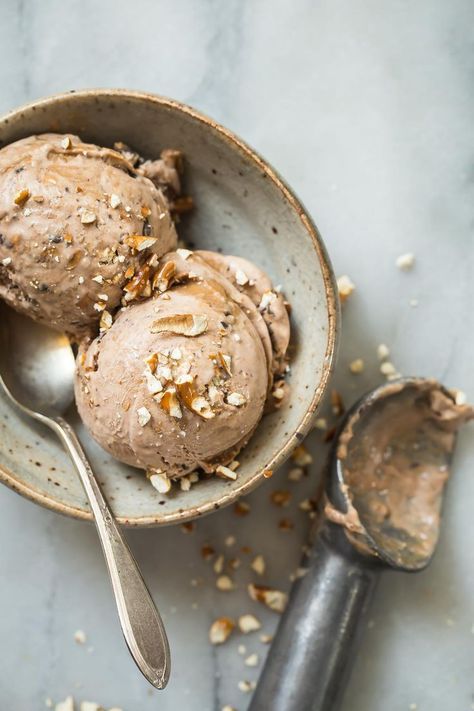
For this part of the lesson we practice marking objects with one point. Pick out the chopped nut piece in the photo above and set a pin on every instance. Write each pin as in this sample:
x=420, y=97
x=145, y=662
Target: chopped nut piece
x=246, y=686
x=249, y=623
x=143, y=416
x=267, y=473
x=66, y=705
x=383, y=351
x=387, y=368
x=295, y=474
x=184, y=253
x=266, y=638
x=115, y=201
x=280, y=498
x=241, y=508
x=160, y=481
x=153, y=384
x=184, y=483
x=252, y=660
x=220, y=630
x=301, y=456
x=224, y=583
x=7, y=261
x=170, y=404
x=307, y=505
x=241, y=277
x=268, y=297
x=337, y=405
x=66, y=143
x=38, y=198
x=460, y=397
x=405, y=261
x=88, y=217
x=140, y=242
x=99, y=306
x=258, y=564
x=274, y=599
x=22, y=197
x=106, y=321
x=236, y=399
x=226, y=473
x=183, y=324
x=345, y=287
x=321, y=424
x=201, y=407
x=80, y=637
x=219, y=565
x=99, y=279
x=207, y=552
x=176, y=354
x=278, y=393
x=164, y=278
x=225, y=361
x=152, y=362
x=356, y=366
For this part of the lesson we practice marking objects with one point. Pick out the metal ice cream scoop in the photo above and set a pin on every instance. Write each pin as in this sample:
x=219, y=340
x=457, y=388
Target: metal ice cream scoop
x=386, y=475
x=37, y=374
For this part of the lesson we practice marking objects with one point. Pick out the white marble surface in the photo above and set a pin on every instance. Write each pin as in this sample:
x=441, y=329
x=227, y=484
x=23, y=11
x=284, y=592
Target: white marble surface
x=367, y=109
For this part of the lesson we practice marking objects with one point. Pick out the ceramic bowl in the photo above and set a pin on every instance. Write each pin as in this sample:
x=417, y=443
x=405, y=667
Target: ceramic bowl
x=242, y=207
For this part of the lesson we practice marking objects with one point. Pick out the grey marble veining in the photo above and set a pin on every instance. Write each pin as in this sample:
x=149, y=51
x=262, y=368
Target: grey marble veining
x=366, y=108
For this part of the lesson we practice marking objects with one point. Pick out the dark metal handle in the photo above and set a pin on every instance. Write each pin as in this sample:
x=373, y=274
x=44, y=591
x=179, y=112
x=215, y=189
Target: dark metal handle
x=308, y=663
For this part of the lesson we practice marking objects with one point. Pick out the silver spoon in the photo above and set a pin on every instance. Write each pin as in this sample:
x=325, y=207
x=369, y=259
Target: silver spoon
x=37, y=374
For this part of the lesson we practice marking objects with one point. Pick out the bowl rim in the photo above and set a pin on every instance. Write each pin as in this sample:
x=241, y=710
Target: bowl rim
x=332, y=303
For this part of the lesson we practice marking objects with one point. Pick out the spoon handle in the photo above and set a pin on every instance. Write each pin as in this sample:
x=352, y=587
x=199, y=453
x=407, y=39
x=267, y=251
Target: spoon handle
x=309, y=660
x=140, y=620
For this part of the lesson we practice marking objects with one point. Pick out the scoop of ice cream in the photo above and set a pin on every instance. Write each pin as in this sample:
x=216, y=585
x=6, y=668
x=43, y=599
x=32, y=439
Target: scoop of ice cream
x=77, y=224
x=252, y=281
x=178, y=381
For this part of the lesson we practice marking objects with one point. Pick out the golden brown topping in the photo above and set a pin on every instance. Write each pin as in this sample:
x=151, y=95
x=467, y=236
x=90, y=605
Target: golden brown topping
x=22, y=197
x=225, y=362
x=88, y=217
x=220, y=630
x=164, y=277
x=152, y=362
x=74, y=260
x=273, y=599
x=145, y=211
x=201, y=407
x=267, y=473
x=183, y=324
x=170, y=404
x=139, y=242
x=105, y=321
x=139, y=285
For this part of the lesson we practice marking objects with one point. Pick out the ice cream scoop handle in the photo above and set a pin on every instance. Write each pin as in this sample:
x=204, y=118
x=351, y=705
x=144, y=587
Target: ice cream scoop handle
x=141, y=623
x=309, y=661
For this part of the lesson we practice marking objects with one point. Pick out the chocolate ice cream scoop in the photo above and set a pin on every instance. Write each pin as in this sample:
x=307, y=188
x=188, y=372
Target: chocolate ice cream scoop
x=386, y=477
x=77, y=224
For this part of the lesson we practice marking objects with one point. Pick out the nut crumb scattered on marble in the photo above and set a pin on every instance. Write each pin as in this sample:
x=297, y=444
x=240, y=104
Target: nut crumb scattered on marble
x=80, y=637
x=229, y=541
x=273, y=599
x=266, y=638
x=295, y=474
x=252, y=660
x=224, y=583
x=248, y=623
x=242, y=649
x=280, y=498
x=345, y=286
x=220, y=630
x=321, y=423
x=258, y=564
x=405, y=261
x=383, y=351
x=219, y=564
x=356, y=366
x=228, y=708
x=246, y=686
x=301, y=456
x=66, y=705
x=388, y=369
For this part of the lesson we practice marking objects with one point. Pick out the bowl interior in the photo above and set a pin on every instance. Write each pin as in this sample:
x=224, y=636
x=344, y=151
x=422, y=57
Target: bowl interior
x=242, y=208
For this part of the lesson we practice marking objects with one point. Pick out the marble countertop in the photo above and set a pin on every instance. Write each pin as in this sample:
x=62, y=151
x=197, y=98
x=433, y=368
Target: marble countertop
x=366, y=108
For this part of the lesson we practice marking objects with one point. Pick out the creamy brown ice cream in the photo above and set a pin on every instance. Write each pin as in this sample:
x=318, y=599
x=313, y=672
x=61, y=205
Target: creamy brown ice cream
x=180, y=381
x=77, y=224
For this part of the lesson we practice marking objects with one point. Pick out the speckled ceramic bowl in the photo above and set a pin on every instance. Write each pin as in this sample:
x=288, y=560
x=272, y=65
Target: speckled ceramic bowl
x=243, y=208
